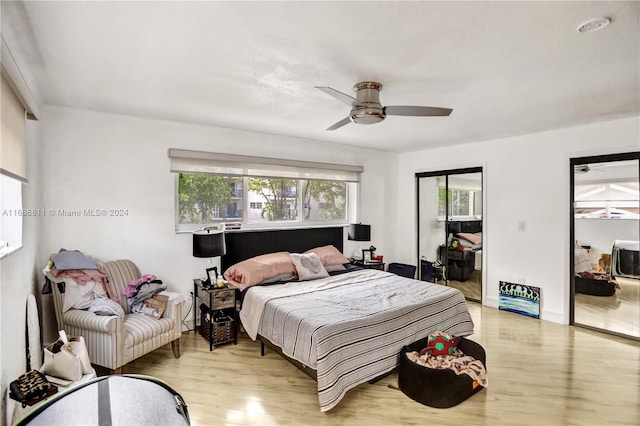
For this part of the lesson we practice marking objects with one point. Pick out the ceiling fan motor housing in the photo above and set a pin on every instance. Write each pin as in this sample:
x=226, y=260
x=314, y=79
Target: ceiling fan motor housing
x=368, y=92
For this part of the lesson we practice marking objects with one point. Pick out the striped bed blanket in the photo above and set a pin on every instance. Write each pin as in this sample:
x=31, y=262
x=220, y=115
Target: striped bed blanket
x=351, y=327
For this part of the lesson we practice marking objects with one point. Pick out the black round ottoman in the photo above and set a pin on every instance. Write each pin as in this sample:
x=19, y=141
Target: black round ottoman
x=433, y=387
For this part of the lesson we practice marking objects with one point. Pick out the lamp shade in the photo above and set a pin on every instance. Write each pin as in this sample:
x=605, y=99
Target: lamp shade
x=359, y=232
x=208, y=243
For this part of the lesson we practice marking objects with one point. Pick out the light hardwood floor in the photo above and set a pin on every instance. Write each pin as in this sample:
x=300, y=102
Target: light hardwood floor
x=619, y=313
x=540, y=373
x=471, y=288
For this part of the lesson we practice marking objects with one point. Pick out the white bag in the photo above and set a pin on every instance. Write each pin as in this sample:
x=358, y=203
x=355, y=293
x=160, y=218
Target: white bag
x=79, y=348
x=67, y=359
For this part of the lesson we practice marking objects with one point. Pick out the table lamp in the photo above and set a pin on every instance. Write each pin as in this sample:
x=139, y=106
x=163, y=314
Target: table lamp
x=359, y=232
x=209, y=242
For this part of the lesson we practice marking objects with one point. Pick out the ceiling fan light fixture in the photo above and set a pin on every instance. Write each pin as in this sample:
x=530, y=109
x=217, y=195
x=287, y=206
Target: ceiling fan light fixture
x=370, y=115
x=593, y=25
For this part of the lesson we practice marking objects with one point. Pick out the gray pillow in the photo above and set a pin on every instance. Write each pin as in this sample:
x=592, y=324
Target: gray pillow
x=65, y=260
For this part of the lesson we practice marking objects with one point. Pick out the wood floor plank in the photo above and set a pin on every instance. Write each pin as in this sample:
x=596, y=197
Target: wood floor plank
x=540, y=373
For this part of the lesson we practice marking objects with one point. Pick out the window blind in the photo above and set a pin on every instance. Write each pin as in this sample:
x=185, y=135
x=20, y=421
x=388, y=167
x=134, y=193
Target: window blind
x=12, y=145
x=186, y=161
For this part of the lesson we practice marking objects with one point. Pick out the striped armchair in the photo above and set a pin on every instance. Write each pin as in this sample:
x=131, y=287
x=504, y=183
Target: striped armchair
x=111, y=341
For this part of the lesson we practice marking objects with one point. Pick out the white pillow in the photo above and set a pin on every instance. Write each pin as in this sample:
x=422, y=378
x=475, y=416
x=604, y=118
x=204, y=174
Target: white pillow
x=309, y=266
x=581, y=262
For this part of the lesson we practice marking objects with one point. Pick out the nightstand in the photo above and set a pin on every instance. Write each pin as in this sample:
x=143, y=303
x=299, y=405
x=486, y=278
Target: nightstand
x=459, y=263
x=218, y=317
x=369, y=265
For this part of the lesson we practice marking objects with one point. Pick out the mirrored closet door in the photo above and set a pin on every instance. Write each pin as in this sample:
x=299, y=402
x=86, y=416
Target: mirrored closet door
x=450, y=229
x=605, y=230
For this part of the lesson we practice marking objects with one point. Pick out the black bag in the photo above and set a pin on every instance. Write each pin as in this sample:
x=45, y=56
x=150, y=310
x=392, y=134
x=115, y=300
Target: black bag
x=31, y=387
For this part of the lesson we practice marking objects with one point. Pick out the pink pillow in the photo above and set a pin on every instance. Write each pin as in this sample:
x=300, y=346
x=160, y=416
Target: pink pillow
x=329, y=255
x=473, y=238
x=260, y=269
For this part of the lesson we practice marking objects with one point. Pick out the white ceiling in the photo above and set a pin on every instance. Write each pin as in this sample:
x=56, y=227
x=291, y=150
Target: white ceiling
x=506, y=68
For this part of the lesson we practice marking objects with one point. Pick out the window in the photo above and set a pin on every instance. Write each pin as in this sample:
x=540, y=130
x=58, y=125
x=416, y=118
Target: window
x=260, y=192
x=206, y=199
x=464, y=195
x=12, y=213
x=203, y=199
x=279, y=198
x=462, y=202
x=325, y=200
x=12, y=165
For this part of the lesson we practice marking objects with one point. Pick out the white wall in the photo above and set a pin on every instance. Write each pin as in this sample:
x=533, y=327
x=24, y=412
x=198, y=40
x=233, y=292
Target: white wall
x=525, y=179
x=601, y=233
x=104, y=161
x=18, y=279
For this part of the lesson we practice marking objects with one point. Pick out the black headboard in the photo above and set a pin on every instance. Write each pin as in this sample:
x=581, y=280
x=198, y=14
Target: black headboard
x=242, y=245
x=469, y=226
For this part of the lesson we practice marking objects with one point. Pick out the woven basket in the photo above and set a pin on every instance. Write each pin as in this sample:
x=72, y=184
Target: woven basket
x=221, y=331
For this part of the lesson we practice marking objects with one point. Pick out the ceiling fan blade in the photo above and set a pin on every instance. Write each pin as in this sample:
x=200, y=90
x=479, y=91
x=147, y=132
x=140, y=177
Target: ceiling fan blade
x=343, y=97
x=340, y=123
x=417, y=111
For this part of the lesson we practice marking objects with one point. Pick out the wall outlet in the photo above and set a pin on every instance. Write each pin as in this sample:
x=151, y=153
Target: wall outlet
x=522, y=225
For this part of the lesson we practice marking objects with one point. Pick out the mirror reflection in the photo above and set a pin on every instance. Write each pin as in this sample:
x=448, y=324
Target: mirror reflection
x=606, y=253
x=450, y=229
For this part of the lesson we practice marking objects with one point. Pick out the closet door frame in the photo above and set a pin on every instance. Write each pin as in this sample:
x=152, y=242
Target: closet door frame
x=445, y=174
x=572, y=231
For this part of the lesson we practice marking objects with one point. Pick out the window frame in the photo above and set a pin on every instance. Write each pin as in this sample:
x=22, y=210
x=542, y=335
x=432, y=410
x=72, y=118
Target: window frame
x=351, y=190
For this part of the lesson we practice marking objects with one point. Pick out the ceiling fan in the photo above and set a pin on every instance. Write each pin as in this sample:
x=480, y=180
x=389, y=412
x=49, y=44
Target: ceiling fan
x=366, y=107
x=586, y=168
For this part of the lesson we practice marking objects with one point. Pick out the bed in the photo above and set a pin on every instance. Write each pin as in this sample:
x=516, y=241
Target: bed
x=344, y=329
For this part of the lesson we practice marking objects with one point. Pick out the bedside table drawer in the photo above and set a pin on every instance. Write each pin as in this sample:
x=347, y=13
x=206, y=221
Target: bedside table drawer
x=224, y=299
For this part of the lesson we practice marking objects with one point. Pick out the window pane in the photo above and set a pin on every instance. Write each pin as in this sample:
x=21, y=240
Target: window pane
x=460, y=202
x=208, y=199
x=278, y=197
x=205, y=199
x=12, y=213
x=324, y=200
x=442, y=200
